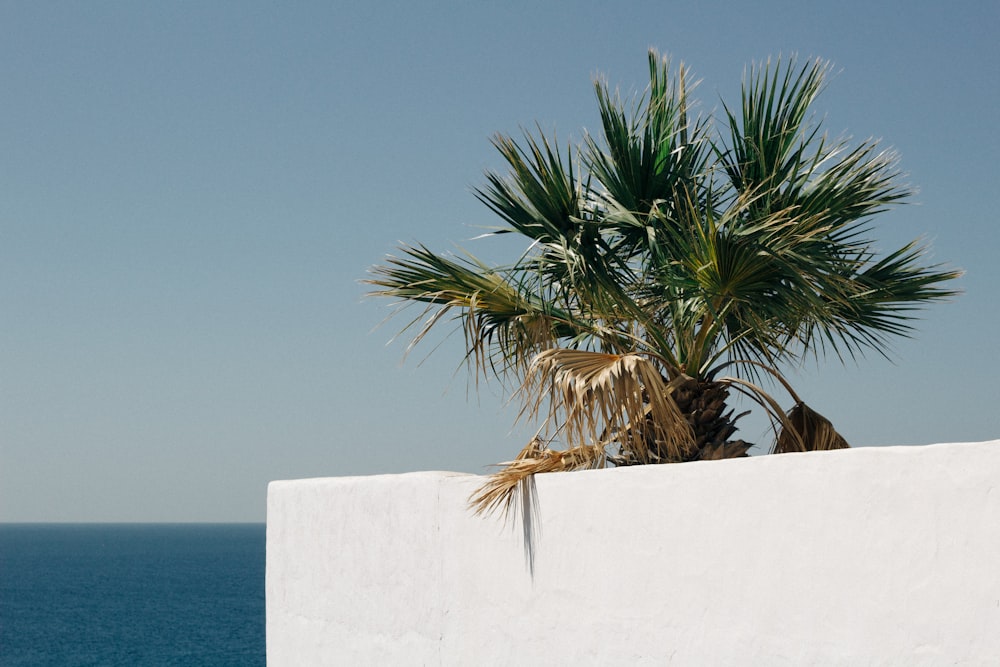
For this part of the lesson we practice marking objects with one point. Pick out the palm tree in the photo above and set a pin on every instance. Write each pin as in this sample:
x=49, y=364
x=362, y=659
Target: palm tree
x=673, y=262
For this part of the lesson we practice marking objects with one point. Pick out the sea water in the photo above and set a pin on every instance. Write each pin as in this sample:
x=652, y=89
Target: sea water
x=132, y=594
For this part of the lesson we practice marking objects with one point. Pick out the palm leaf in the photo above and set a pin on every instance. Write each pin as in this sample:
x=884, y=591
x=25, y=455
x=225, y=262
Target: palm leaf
x=652, y=148
x=541, y=197
x=598, y=397
x=504, y=325
x=812, y=432
x=502, y=489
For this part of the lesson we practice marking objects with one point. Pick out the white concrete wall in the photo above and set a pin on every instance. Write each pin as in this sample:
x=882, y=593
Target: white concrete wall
x=875, y=556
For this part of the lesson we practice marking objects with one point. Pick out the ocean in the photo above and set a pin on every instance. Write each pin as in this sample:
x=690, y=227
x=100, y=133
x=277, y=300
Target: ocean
x=132, y=594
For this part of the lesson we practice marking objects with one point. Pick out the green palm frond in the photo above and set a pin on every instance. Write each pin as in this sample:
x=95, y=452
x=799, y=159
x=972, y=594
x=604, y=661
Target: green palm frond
x=768, y=141
x=651, y=149
x=540, y=199
x=880, y=302
x=504, y=326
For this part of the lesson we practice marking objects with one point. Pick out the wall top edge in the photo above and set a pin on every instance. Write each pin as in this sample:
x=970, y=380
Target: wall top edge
x=773, y=459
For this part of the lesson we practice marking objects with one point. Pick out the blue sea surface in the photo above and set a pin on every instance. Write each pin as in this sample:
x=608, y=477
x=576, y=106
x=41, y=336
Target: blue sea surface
x=132, y=594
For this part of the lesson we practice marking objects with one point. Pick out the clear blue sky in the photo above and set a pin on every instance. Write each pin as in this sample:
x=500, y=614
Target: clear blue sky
x=191, y=191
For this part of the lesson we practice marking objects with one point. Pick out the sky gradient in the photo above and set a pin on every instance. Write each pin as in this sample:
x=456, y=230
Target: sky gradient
x=192, y=191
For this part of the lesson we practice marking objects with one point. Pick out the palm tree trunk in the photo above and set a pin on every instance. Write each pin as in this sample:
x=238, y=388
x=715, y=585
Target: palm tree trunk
x=704, y=406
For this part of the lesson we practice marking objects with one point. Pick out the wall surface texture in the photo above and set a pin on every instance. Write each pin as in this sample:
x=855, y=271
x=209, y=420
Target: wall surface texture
x=874, y=556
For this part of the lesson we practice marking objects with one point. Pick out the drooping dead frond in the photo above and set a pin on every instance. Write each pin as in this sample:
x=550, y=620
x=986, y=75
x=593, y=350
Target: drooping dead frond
x=500, y=490
x=813, y=432
x=603, y=398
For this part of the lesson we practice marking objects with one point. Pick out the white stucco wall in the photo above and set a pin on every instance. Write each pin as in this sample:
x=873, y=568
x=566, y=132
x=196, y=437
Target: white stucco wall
x=874, y=556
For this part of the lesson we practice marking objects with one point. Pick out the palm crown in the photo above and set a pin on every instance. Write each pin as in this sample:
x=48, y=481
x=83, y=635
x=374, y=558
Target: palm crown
x=672, y=251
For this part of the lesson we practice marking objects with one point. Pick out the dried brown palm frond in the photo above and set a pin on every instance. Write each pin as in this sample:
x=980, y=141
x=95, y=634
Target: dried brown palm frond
x=499, y=491
x=813, y=432
x=802, y=429
x=595, y=397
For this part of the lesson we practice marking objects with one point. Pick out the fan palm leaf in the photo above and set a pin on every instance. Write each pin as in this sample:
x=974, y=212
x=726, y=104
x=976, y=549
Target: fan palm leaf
x=600, y=398
x=503, y=325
